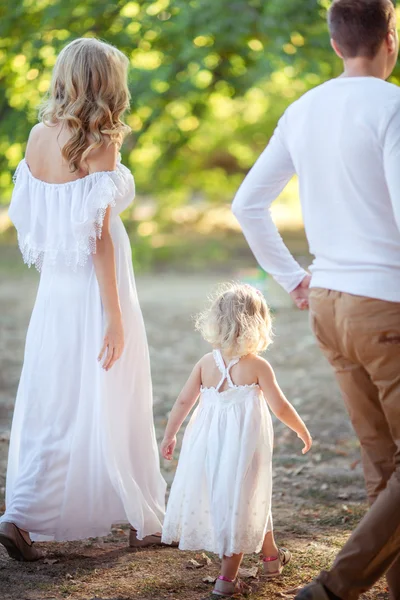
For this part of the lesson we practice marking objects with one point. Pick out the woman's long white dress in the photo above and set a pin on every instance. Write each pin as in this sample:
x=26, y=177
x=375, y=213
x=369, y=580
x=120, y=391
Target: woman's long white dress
x=83, y=452
x=220, y=499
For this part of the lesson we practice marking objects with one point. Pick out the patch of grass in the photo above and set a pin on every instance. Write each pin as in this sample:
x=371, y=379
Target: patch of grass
x=111, y=572
x=318, y=496
x=289, y=461
x=345, y=520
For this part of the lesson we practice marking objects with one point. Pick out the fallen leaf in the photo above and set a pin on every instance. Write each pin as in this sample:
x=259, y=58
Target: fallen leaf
x=288, y=594
x=343, y=496
x=354, y=464
x=299, y=470
x=69, y=576
x=209, y=579
x=50, y=561
x=248, y=573
x=193, y=564
x=202, y=560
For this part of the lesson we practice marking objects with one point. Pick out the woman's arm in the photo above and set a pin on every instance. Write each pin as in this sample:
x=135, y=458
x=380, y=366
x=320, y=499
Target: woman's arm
x=104, y=266
x=104, y=159
x=280, y=406
x=182, y=407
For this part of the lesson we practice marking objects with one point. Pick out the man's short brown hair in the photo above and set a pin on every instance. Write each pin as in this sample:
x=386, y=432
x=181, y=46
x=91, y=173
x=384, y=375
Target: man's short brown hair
x=359, y=27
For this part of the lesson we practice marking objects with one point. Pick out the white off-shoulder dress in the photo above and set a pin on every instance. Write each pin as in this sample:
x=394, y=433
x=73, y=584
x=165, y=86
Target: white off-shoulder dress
x=83, y=452
x=220, y=499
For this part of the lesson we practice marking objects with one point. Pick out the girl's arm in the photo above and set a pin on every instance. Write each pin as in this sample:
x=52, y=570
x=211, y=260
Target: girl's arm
x=182, y=407
x=104, y=159
x=280, y=406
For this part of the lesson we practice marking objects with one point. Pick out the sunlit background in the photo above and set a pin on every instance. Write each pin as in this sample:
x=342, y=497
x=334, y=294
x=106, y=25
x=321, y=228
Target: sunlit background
x=209, y=80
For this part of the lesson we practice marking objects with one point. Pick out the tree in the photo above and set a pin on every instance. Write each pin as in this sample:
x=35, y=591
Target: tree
x=208, y=80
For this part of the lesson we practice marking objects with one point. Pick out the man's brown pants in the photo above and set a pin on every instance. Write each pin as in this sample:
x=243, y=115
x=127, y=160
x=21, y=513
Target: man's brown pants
x=361, y=339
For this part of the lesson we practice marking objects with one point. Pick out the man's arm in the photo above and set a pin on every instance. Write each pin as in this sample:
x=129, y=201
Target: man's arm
x=262, y=186
x=391, y=161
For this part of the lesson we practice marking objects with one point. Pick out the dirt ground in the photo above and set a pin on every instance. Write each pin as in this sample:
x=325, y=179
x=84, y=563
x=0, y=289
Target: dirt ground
x=318, y=499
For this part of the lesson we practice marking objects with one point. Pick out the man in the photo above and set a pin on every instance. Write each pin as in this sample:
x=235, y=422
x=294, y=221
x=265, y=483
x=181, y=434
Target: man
x=343, y=141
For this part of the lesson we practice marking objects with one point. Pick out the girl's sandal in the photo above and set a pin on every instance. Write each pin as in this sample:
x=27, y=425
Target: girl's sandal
x=274, y=565
x=227, y=588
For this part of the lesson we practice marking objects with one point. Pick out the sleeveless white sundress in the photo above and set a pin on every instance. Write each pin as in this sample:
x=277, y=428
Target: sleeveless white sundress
x=220, y=499
x=83, y=452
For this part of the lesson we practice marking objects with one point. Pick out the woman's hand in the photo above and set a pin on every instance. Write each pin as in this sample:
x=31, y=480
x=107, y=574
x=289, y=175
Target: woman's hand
x=113, y=345
x=168, y=447
x=306, y=439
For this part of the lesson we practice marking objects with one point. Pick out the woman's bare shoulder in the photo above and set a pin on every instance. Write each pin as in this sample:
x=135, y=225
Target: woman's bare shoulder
x=103, y=158
x=36, y=135
x=37, y=130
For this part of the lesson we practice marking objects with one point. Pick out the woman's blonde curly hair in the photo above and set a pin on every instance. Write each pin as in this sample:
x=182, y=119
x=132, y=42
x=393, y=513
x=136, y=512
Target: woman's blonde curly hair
x=238, y=321
x=88, y=94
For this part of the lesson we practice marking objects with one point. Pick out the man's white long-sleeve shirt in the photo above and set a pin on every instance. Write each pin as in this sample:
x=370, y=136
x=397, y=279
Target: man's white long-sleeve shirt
x=343, y=141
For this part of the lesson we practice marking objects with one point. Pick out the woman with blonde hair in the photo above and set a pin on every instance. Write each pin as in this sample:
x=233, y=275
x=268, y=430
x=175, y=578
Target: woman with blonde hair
x=83, y=451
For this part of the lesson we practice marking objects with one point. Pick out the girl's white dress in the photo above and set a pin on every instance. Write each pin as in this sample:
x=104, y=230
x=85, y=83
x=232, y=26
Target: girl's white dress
x=220, y=499
x=83, y=452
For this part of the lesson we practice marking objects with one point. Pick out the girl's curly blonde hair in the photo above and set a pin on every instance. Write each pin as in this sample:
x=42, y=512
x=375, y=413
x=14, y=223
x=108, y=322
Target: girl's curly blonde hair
x=88, y=94
x=238, y=321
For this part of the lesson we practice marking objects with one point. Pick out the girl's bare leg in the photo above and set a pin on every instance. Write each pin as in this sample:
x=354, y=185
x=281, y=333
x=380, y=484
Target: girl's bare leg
x=269, y=546
x=230, y=566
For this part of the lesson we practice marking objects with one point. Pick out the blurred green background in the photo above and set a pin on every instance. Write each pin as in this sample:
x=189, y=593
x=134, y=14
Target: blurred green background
x=209, y=80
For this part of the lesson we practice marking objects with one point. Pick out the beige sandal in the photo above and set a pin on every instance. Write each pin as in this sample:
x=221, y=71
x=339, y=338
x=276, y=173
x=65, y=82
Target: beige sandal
x=313, y=591
x=228, y=588
x=274, y=565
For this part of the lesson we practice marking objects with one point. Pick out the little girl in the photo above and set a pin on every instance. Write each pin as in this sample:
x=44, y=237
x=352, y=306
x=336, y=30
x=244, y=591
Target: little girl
x=221, y=497
x=83, y=452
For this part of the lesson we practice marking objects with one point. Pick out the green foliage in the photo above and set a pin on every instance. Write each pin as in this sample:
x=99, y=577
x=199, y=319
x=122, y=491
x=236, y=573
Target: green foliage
x=209, y=80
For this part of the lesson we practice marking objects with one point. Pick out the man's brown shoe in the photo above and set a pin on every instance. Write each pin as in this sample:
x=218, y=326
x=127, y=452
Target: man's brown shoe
x=16, y=545
x=313, y=591
x=148, y=541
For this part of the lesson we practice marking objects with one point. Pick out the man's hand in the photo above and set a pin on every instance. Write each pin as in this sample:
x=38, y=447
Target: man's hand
x=300, y=294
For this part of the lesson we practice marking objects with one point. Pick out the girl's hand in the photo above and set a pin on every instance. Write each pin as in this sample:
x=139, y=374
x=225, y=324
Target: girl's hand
x=113, y=345
x=306, y=439
x=168, y=447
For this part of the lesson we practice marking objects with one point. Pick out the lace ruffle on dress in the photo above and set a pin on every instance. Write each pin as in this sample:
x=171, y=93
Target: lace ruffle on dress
x=61, y=222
